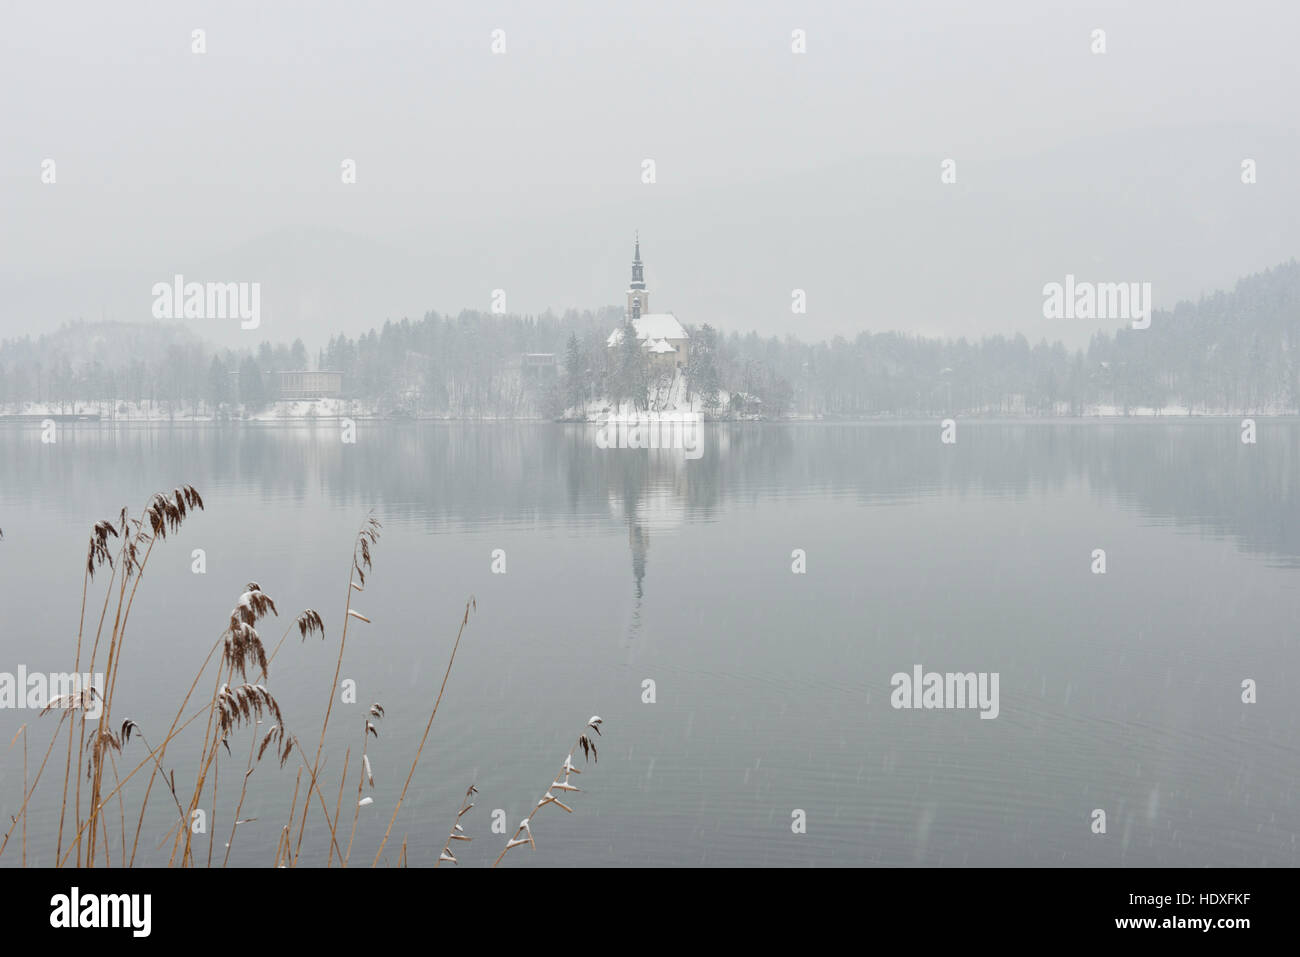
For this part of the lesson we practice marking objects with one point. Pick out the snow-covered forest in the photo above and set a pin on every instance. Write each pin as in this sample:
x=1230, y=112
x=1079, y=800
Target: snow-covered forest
x=1229, y=352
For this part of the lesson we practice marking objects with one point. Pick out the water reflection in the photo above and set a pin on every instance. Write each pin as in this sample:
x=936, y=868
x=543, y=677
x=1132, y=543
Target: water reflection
x=1110, y=687
x=1193, y=473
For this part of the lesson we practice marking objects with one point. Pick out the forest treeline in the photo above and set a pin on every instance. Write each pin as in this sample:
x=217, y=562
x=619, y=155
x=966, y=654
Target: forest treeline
x=1230, y=351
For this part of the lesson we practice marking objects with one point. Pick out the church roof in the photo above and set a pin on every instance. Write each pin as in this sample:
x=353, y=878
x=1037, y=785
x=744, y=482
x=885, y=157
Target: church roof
x=659, y=325
x=653, y=325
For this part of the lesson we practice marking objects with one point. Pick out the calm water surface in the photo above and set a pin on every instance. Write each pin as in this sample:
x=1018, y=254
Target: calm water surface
x=1119, y=691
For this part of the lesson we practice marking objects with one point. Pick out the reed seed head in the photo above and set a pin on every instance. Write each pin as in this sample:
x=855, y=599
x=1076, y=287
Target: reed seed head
x=310, y=623
x=246, y=704
x=243, y=645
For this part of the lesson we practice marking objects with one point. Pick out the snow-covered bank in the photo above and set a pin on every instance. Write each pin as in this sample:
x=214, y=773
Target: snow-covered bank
x=303, y=410
x=663, y=398
x=146, y=411
x=1112, y=411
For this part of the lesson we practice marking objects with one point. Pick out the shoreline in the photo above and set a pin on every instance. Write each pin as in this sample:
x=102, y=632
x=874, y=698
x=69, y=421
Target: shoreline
x=82, y=418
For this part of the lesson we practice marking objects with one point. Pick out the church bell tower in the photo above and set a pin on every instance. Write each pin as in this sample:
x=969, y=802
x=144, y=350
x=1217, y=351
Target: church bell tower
x=638, y=297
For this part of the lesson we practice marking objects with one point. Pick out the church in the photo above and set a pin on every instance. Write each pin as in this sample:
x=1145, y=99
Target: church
x=661, y=336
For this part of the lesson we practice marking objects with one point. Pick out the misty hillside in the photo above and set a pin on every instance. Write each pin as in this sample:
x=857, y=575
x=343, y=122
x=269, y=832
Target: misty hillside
x=1227, y=352
x=99, y=360
x=111, y=344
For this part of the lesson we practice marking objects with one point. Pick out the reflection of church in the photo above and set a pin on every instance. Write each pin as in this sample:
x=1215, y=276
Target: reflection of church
x=638, y=539
x=645, y=507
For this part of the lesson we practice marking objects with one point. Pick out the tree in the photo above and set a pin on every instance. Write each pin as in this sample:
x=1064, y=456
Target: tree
x=632, y=378
x=252, y=390
x=575, y=378
x=218, y=385
x=702, y=377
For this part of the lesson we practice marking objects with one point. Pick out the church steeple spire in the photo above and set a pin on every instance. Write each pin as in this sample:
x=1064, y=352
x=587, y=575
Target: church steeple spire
x=638, y=297
x=638, y=276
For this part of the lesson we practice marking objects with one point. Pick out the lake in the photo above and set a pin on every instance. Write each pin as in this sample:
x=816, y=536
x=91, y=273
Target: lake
x=772, y=689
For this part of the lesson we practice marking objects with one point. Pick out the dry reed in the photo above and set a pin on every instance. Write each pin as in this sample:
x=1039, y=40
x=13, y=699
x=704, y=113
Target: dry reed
x=457, y=831
x=589, y=753
x=236, y=705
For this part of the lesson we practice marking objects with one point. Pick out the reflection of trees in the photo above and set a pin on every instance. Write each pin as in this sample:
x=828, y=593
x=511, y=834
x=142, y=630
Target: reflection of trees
x=1195, y=473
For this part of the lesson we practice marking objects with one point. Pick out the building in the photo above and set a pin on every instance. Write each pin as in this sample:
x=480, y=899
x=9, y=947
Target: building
x=309, y=385
x=663, y=338
x=539, y=365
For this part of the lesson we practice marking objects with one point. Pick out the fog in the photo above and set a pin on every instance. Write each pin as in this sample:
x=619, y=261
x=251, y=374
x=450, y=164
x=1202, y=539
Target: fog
x=522, y=170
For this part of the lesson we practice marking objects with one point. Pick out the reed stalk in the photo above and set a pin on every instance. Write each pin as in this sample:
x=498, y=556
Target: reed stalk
x=471, y=604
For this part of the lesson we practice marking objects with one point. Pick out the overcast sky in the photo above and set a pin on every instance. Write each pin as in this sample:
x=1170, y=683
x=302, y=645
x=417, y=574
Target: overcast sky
x=522, y=171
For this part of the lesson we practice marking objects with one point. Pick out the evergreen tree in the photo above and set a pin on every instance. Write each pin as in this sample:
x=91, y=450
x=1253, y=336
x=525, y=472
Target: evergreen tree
x=574, y=373
x=702, y=377
x=632, y=377
x=218, y=384
x=252, y=389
